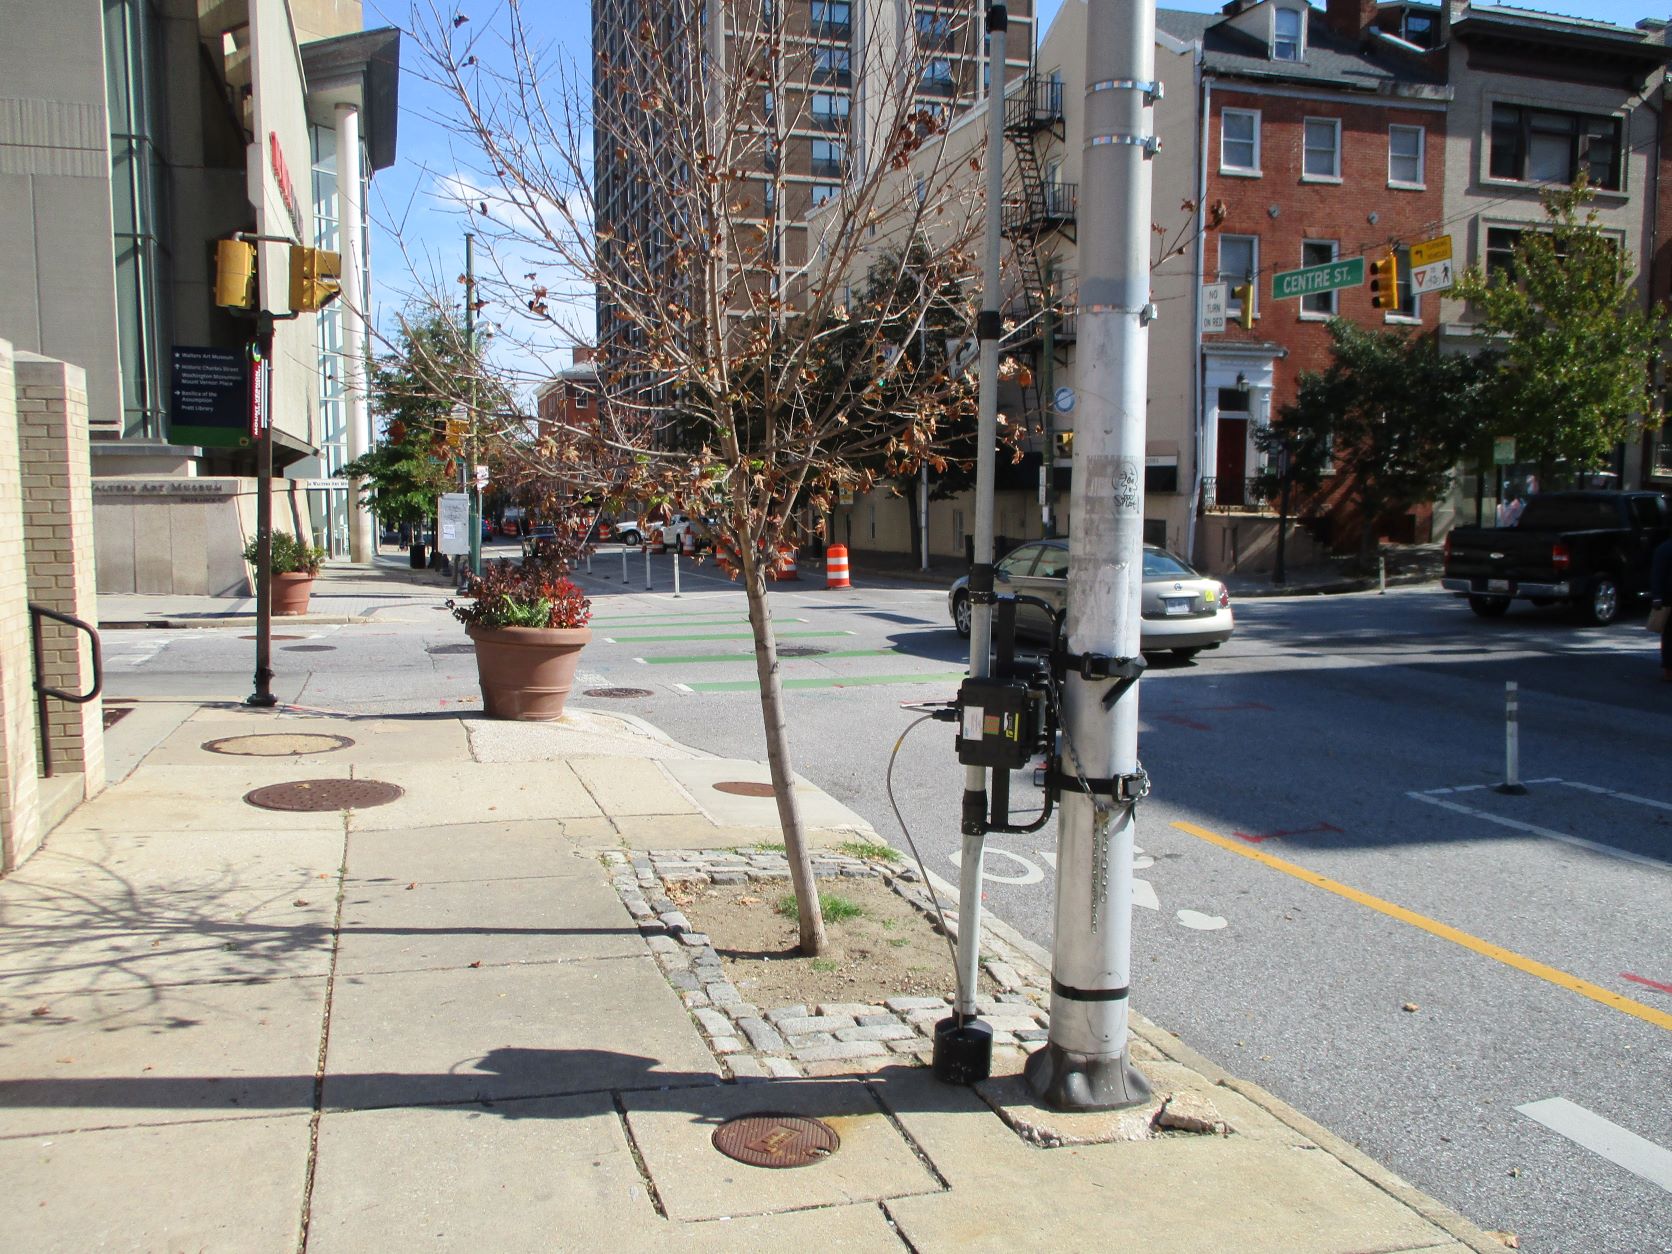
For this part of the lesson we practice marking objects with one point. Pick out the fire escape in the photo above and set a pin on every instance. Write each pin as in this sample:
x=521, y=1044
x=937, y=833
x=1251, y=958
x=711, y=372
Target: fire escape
x=1042, y=321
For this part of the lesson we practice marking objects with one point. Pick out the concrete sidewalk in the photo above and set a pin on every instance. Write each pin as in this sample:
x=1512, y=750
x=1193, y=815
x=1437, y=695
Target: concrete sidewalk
x=452, y=1021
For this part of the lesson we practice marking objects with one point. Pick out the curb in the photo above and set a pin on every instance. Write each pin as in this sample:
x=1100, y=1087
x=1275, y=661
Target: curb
x=232, y=620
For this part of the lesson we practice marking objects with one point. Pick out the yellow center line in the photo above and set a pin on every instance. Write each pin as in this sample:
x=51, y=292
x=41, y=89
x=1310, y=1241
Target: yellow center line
x=1434, y=927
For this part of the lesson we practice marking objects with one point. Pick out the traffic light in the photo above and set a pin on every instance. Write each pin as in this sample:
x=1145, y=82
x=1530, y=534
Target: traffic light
x=313, y=278
x=234, y=274
x=1384, y=282
x=1243, y=294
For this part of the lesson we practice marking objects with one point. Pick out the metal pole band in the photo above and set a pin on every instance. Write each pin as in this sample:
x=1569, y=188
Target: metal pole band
x=981, y=584
x=1149, y=143
x=989, y=325
x=1152, y=91
x=1068, y=993
x=998, y=18
x=975, y=813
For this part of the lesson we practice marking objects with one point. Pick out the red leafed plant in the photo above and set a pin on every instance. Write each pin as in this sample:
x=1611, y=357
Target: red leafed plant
x=537, y=594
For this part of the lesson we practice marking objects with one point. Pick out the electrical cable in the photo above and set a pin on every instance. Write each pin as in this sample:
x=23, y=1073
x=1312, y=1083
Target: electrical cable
x=888, y=783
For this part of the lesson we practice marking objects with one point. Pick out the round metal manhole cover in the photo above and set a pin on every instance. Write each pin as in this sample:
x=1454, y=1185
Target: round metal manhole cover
x=310, y=648
x=277, y=744
x=801, y=650
x=324, y=794
x=444, y=649
x=744, y=788
x=776, y=1140
x=619, y=693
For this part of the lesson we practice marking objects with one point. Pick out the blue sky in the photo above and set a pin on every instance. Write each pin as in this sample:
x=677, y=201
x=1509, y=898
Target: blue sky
x=418, y=232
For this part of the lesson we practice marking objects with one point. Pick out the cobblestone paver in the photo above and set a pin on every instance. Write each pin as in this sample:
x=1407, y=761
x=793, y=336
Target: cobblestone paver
x=784, y=1041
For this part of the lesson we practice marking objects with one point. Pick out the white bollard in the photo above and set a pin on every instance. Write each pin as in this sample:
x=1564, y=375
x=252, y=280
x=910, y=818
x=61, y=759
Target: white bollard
x=1382, y=575
x=647, y=567
x=676, y=573
x=1512, y=784
x=624, y=564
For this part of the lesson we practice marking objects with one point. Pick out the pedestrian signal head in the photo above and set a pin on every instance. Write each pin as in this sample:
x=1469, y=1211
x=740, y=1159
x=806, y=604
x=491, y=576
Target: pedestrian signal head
x=235, y=274
x=1384, y=282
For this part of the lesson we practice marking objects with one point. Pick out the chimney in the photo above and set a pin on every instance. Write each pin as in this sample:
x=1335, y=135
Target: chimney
x=582, y=354
x=1450, y=11
x=1350, y=18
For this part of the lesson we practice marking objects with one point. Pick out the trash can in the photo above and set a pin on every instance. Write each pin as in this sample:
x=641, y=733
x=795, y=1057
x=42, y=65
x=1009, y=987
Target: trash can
x=416, y=556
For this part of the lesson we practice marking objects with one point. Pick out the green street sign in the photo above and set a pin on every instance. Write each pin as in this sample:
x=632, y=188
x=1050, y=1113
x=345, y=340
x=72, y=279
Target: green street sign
x=1310, y=280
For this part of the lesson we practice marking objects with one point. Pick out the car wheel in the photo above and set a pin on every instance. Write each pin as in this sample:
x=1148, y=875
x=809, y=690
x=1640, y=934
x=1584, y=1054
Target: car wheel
x=630, y=538
x=1602, y=607
x=1489, y=607
x=1184, y=655
x=961, y=615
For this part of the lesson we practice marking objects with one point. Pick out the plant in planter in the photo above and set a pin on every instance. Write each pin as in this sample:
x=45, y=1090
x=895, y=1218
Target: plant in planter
x=293, y=566
x=529, y=625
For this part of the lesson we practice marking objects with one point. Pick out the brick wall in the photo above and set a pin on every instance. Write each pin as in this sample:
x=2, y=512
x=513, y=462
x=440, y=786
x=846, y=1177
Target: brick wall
x=20, y=821
x=58, y=524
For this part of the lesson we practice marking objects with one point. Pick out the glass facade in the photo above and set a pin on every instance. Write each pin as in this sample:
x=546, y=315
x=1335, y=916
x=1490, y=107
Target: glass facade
x=139, y=187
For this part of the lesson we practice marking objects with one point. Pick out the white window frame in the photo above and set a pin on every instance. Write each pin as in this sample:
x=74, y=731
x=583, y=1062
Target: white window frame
x=1300, y=33
x=1251, y=277
x=1306, y=175
x=1399, y=316
x=1421, y=180
x=1332, y=297
x=1225, y=167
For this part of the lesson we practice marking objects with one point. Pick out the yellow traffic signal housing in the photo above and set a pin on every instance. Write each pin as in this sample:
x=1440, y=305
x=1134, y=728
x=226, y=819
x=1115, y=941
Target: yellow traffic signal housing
x=1384, y=282
x=314, y=275
x=235, y=274
x=1243, y=294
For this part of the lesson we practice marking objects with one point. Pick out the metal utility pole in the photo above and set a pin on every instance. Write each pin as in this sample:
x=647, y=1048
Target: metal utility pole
x=467, y=462
x=261, y=400
x=963, y=1044
x=1087, y=1064
x=1047, y=390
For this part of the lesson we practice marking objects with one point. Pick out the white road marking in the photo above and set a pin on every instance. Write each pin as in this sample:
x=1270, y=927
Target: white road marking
x=1618, y=796
x=1201, y=922
x=1533, y=829
x=1143, y=894
x=1031, y=874
x=1619, y=1146
x=685, y=688
x=1047, y=857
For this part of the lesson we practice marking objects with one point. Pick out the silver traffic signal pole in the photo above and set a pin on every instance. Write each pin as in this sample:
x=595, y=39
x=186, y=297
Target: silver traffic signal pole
x=1086, y=1064
x=963, y=1045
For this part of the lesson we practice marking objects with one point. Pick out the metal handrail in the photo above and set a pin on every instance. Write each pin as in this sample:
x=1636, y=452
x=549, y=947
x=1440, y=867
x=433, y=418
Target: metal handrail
x=37, y=613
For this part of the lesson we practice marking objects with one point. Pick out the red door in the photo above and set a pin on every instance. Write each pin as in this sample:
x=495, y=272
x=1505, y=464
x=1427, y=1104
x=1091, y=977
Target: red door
x=1232, y=470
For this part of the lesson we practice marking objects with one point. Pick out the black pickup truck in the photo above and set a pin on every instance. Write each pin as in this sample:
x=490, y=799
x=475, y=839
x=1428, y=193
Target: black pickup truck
x=1590, y=550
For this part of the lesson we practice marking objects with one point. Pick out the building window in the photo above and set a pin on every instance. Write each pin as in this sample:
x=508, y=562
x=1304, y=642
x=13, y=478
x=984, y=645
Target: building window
x=1318, y=253
x=1239, y=262
x=769, y=196
x=827, y=159
x=830, y=110
x=831, y=64
x=832, y=19
x=1239, y=141
x=823, y=193
x=1405, y=156
x=1322, y=159
x=1420, y=29
x=1500, y=253
x=1410, y=304
x=934, y=30
x=1547, y=146
x=937, y=74
x=1287, y=35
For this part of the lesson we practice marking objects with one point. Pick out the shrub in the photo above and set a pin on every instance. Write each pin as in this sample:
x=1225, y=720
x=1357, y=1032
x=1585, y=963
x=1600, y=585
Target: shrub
x=537, y=594
x=289, y=555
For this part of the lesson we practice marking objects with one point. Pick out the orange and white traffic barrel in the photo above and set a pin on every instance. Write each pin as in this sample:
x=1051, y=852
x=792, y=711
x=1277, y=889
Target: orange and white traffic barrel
x=658, y=540
x=785, y=567
x=688, y=543
x=836, y=567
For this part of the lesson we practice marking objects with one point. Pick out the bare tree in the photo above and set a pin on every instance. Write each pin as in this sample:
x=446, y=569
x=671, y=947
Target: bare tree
x=757, y=352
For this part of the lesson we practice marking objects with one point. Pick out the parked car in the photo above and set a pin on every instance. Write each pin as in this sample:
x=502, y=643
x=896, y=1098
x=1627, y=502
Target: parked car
x=628, y=531
x=1590, y=550
x=1183, y=610
x=701, y=529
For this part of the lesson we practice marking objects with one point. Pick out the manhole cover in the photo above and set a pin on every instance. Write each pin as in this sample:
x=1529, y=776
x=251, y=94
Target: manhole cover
x=278, y=744
x=776, y=1140
x=801, y=650
x=745, y=788
x=274, y=637
x=116, y=715
x=310, y=648
x=467, y=647
x=324, y=794
x=619, y=692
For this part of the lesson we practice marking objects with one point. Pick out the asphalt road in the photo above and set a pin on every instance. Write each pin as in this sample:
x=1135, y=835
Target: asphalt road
x=1469, y=954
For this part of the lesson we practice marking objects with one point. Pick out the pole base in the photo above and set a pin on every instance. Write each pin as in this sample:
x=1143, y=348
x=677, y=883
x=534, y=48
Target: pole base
x=1512, y=790
x=963, y=1051
x=1069, y=1081
x=262, y=699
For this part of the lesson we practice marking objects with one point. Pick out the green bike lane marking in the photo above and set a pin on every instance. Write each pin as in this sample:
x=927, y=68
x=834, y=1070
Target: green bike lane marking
x=662, y=620
x=830, y=681
x=700, y=658
x=736, y=635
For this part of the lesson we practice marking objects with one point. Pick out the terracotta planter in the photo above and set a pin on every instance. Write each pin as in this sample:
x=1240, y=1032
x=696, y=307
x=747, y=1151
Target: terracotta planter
x=290, y=593
x=527, y=672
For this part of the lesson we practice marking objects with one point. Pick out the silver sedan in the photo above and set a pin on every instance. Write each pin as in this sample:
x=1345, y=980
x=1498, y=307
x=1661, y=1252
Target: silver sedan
x=1183, y=610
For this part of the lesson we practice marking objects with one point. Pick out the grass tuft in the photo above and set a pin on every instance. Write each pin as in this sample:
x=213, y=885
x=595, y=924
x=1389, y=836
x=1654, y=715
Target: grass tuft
x=836, y=908
x=870, y=850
